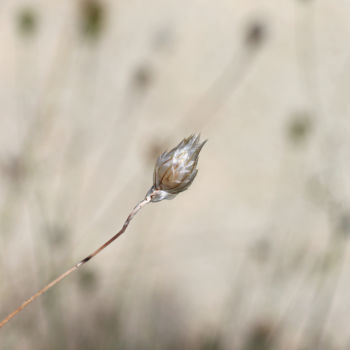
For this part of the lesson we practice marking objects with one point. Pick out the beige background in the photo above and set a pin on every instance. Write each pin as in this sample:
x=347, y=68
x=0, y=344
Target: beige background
x=254, y=254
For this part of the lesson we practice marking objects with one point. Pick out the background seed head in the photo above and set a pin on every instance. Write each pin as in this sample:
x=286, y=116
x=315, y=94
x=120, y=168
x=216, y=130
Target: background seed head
x=175, y=170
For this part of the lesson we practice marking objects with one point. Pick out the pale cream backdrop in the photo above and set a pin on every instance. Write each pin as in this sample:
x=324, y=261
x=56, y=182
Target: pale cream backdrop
x=255, y=254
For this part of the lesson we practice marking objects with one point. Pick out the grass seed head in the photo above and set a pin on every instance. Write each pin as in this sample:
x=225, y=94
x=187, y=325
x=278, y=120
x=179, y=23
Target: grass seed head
x=175, y=170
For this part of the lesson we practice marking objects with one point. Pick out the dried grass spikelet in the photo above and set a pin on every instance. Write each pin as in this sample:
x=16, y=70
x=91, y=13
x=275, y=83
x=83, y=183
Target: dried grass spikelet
x=175, y=170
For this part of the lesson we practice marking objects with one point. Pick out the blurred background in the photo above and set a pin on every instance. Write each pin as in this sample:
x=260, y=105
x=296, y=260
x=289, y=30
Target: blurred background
x=254, y=256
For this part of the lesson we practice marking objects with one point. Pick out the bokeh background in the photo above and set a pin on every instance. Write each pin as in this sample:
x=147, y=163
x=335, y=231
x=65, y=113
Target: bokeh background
x=255, y=254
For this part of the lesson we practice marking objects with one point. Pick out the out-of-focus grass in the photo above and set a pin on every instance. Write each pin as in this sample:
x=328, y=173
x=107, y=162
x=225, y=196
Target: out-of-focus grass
x=254, y=256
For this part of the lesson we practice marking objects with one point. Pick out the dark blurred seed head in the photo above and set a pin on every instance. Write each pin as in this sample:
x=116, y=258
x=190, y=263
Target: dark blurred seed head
x=255, y=33
x=87, y=280
x=175, y=170
x=92, y=18
x=343, y=224
x=142, y=77
x=299, y=127
x=14, y=169
x=262, y=336
x=57, y=233
x=27, y=21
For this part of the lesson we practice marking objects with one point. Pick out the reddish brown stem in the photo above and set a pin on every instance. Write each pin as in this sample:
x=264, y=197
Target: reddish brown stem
x=79, y=264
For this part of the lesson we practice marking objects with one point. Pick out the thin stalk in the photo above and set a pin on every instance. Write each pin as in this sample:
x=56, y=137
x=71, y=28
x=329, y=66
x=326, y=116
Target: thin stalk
x=79, y=264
